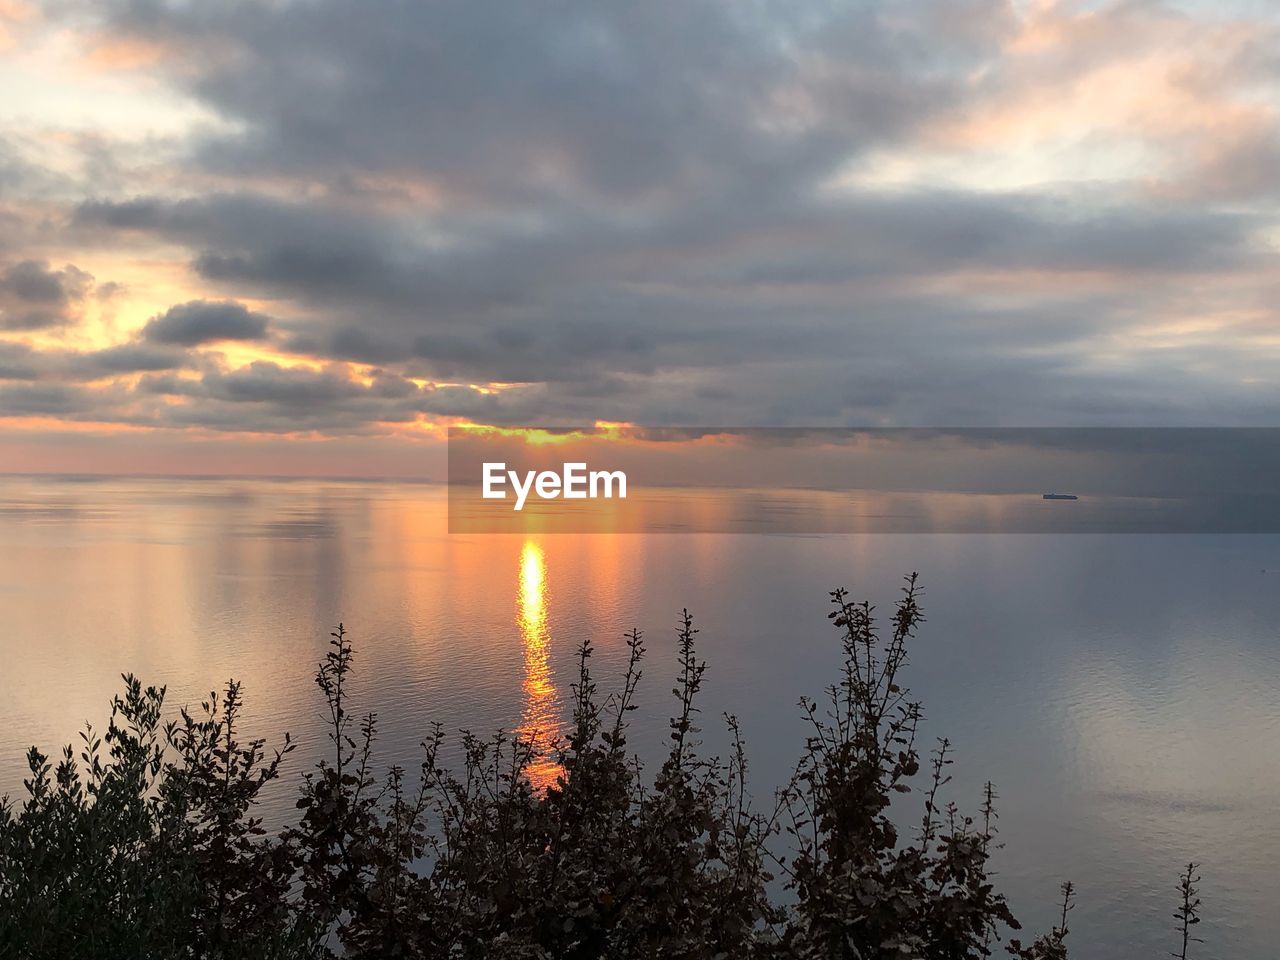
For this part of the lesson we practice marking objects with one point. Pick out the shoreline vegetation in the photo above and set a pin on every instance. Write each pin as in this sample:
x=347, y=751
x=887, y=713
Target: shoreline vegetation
x=146, y=842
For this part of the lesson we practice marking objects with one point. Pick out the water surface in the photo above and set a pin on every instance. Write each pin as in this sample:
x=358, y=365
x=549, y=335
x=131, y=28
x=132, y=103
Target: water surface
x=1121, y=690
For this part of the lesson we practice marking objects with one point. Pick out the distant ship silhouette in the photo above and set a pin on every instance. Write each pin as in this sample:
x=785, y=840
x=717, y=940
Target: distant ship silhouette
x=1059, y=496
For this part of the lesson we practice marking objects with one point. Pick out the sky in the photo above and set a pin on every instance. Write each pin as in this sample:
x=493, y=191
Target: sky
x=305, y=236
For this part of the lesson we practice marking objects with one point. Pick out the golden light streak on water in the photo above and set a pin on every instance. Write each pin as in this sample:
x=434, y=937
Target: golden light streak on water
x=539, y=720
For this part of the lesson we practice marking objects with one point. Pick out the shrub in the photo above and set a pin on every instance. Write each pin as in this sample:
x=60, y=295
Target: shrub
x=155, y=849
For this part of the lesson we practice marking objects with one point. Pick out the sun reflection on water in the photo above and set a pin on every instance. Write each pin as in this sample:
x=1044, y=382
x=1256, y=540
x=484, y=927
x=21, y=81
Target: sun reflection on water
x=539, y=720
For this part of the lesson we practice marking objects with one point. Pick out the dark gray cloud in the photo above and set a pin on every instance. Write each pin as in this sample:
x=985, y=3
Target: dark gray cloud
x=267, y=397
x=127, y=358
x=203, y=321
x=530, y=103
x=20, y=361
x=669, y=212
x=35, y=296
x=688, y=291
x=263, y=382
x=42, y=399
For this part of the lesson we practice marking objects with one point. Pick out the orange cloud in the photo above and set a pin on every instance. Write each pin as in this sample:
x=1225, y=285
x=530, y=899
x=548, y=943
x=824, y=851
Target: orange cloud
x=1122, y=93
x=121, y=52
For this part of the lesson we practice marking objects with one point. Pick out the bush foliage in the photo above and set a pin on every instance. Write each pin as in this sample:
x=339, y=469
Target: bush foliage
x=145, y=843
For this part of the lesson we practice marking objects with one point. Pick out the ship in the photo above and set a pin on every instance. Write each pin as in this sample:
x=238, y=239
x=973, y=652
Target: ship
x=1059, y=496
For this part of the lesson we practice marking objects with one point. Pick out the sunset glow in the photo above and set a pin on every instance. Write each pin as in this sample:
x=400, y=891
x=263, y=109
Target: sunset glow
x=1064, y=212
x=540, y=721
x=544, y=424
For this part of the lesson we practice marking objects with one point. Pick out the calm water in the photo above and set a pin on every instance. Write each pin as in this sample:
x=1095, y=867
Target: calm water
x=1122, y=691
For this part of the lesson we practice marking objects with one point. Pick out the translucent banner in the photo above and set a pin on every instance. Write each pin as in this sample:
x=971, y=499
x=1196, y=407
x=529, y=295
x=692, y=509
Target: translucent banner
x=625, y=479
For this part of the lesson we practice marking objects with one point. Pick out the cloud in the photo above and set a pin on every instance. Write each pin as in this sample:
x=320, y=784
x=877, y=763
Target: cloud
x=16, y=362
x=679, y=97
x=263, y=382
x=862, y=309
x=41, y=399
x=34, y=296
x=698, y=212
x=127, y=358
x=203, y=321
x=20, y=361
